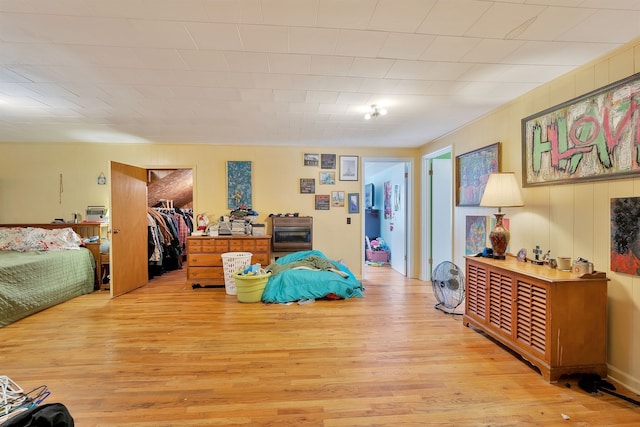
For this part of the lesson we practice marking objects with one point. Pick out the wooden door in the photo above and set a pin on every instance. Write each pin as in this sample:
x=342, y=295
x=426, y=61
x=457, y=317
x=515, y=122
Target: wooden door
x=128, y=217
x=441, y=214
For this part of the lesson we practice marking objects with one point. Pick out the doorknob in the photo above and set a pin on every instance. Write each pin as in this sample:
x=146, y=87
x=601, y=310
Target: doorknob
x=116, y=231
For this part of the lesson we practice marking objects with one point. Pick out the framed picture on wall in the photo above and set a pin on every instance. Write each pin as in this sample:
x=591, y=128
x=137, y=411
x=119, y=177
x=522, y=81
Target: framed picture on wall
x=589, y=138
x=307, y=185
x=327, y=178
x=353, y=200
x=311, y=159
x=323, y=202
x=327, y=161
x=239, y=191
x=625, y=236
x=348, y=168
x=472, y=173
x=337, y=199
x=369, y=196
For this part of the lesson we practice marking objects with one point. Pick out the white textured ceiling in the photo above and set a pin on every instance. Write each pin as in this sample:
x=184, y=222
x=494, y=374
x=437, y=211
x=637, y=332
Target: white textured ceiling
x=284, y=72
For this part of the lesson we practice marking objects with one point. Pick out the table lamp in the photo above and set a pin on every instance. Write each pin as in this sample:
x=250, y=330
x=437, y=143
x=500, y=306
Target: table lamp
x=502, y=191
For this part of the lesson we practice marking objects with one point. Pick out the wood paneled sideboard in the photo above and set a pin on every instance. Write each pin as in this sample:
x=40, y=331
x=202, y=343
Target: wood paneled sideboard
x=553, y=319
x=204, y=255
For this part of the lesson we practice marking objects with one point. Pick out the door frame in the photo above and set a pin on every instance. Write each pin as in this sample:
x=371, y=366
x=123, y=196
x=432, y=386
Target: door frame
x=426, y=217
x=147, y=168
x=409, y=238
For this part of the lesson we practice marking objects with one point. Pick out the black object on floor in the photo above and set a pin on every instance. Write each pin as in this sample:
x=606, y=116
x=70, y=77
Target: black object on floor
x=50, y=415
x=592, y=384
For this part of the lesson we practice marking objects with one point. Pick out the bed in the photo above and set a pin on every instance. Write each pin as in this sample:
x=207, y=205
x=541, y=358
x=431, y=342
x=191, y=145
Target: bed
x=309, y=275
x=41, y=268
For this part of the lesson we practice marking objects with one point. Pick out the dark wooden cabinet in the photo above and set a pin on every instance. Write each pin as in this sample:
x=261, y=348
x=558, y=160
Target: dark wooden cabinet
x=553, y=319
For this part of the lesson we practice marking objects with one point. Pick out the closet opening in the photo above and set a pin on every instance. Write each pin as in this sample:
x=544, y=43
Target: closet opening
x=170, y=216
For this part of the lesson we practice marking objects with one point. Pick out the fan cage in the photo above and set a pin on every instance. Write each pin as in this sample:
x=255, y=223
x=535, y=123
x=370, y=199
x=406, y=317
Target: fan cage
x=448, y=287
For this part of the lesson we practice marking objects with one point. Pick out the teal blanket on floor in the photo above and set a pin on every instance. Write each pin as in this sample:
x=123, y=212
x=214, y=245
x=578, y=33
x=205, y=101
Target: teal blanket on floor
x=309, y=275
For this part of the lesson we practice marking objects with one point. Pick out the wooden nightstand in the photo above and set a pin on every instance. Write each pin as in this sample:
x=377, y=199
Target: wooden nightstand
x=104, y=268
x=94, y=248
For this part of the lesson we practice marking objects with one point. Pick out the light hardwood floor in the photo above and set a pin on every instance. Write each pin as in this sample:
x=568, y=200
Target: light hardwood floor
x=168, y=355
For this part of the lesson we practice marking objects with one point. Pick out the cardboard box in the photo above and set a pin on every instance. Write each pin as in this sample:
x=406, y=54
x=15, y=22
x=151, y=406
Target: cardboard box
x=257, y=229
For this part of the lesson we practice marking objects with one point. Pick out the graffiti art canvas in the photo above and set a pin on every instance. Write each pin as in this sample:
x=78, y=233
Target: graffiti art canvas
x=472, y=173
x=239, y=184
x=625, y=235
x=475, y=234
x=595, y=136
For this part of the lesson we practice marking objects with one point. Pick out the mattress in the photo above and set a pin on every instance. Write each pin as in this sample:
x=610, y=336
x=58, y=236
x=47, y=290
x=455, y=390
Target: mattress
x=35, y=280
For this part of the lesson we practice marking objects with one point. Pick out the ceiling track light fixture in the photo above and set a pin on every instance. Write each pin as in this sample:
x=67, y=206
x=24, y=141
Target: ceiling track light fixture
x=375, y=112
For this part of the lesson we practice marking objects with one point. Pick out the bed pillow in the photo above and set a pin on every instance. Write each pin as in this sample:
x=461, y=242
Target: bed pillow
x=23, y=239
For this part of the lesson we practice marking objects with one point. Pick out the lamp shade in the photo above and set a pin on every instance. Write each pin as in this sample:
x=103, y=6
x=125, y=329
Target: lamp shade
x=502, y=190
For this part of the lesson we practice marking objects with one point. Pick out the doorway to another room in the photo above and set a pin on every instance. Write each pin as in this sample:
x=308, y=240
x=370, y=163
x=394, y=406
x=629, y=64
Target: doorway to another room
x=437, y=208
x=387, y=234
x=133, y=195
x=170, y=202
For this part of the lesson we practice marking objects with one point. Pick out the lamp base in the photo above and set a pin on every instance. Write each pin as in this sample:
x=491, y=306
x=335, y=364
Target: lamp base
x=499, y=238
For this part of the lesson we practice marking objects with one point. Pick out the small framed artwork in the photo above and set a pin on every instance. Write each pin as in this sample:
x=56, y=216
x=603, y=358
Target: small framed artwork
x=327, y=161
x=353, y=200
x=369, y=196
x=475, y=234
x=307, y=185
x=625, y=236
x=388, y=213
x=323, y=202
x=472, y=173
x=327, y=178
x=311, y=159
x=348, y=168
x=337, y=199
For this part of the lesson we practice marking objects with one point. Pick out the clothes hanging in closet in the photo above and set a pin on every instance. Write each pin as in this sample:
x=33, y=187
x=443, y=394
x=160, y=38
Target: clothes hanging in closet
x=167, y=235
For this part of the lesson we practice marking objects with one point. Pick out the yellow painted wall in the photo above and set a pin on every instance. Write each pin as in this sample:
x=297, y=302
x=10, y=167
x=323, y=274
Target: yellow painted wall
x=570, y=219
x=30, y=183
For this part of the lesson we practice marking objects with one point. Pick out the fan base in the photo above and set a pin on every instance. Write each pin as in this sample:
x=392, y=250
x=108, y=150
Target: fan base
x=443, y=308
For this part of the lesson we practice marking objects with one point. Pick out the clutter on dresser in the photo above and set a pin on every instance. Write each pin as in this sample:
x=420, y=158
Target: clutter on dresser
x=241, y=221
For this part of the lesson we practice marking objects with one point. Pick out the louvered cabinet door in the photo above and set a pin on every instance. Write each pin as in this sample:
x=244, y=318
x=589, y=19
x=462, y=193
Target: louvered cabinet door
x=554, y=319
x=500, y=301
x=531, y=316
x=476, y=292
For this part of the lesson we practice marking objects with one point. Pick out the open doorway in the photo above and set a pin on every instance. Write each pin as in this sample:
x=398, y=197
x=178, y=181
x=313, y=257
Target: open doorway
x=134, y=191
x=437, y=208
x=171, y=221
x=387, y=208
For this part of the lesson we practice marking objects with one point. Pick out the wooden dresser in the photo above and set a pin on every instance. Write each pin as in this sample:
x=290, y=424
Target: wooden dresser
x=204, y=255
x=553, y=319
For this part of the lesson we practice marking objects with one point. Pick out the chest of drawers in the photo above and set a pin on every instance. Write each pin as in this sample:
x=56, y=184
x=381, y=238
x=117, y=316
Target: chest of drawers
x=204, y=255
